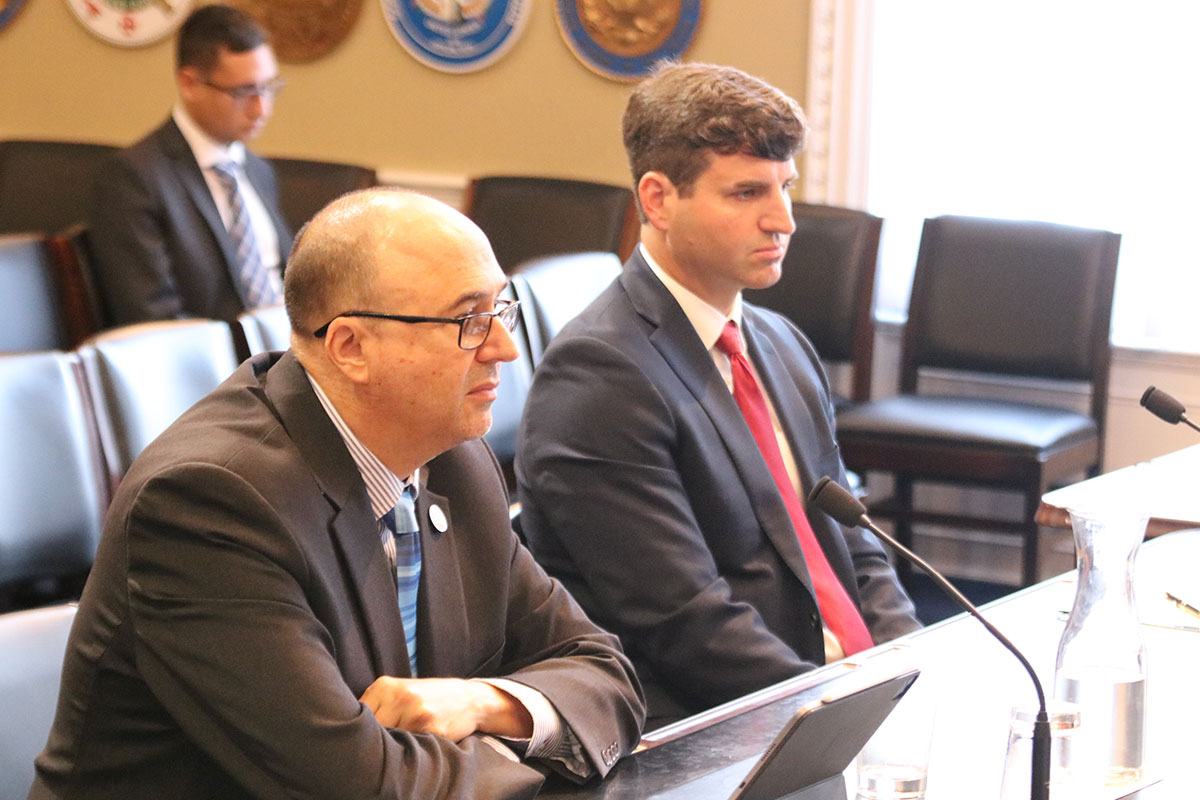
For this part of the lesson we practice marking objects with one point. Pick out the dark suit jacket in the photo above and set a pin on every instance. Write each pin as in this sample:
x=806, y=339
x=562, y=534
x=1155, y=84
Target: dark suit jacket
x=156, y=238
x=643, y=490
x=241, y=602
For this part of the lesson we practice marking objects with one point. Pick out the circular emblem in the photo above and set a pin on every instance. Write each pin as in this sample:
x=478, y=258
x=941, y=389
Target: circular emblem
x=438, y=518
x=303, y=30
x=131, y=23
x=622, y=39
x=8, y=10
x=456, y=35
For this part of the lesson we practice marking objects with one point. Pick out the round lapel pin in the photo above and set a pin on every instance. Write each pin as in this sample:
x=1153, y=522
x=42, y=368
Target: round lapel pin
x=438, y=518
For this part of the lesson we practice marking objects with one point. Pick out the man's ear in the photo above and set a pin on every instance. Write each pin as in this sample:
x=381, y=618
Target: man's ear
x=658, y=196
x=344, y=348
x=187, y=81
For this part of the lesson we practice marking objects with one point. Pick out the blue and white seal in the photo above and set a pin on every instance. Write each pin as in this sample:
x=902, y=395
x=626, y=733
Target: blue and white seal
x=456, y=35
x=622, y=39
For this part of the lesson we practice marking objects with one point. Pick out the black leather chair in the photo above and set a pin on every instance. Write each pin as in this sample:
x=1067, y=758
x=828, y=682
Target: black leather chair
x=144, y=376
x=32, y=645
x=29, y=297
x=527, y=218
x=263, y=329
x=828, y=288
x=305, y=187
x=45, y=185
x=553, y=290
x=52, y=487
x=1001, y=299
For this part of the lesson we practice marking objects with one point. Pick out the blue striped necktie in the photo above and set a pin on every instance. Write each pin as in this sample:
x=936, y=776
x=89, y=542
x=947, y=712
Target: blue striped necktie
x=405, y=554
x=252, y=278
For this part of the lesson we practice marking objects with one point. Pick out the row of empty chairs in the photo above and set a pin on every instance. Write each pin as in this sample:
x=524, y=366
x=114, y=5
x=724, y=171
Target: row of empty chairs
x=998, y=297
x=74, y=420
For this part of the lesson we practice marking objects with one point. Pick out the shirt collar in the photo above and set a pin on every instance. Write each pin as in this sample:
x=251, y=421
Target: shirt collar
x=206, y=150
x=384, y=487
x=706, y=319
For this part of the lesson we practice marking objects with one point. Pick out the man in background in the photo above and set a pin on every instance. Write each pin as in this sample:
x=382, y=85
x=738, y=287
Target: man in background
x=308, y=586
x=186, y=223
x=672, y=430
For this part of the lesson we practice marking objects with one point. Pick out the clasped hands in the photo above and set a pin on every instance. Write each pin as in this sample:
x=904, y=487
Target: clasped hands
x=449, y=707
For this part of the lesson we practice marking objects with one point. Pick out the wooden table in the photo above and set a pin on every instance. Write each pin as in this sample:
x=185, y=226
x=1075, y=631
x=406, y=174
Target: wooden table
x=1167, y=488
x=976, y=684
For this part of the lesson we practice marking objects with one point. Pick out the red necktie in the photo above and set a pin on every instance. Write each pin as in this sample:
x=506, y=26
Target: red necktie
x=837, y=609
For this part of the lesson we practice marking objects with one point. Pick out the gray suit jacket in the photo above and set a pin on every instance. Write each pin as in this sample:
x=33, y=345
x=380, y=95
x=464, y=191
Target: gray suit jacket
x=156, y=239
x=645, y=493
x=241, y=602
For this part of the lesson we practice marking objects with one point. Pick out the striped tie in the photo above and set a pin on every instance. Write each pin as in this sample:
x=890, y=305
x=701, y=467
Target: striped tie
x=403, y=546
x=253, y=280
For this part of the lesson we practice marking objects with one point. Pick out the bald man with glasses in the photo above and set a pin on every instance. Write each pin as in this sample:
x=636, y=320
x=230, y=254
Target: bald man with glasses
x=186, y=223
x=308, y=585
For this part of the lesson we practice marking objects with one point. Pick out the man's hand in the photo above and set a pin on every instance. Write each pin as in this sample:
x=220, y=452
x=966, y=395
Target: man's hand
x=449, y=707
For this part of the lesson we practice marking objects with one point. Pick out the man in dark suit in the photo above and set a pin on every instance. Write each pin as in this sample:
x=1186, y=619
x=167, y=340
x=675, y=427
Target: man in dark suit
x=252, y=626
x=186, y=223
x=661, y=481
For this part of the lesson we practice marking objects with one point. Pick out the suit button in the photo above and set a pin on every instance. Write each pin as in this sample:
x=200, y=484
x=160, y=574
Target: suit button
x=814, y=619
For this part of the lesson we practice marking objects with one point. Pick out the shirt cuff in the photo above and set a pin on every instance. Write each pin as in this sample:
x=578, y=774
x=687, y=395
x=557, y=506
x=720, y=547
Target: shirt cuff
x=552, y=739
x=547, y=725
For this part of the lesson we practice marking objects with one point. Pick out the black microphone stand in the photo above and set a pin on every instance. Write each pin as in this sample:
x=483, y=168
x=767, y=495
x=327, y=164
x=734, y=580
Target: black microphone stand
x=844, y=507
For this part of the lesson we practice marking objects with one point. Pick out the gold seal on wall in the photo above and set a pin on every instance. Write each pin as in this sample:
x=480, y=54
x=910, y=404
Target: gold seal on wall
x=629, y=27
x=622, y=39
x=303, y=30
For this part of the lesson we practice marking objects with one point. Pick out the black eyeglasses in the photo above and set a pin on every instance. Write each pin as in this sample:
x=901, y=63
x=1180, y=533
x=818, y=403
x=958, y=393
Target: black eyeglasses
x=473, y=329
x=243, y=94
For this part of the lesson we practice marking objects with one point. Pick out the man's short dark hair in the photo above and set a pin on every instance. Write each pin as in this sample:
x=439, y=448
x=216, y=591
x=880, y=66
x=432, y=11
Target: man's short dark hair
x=682, y=113
x=209, y=29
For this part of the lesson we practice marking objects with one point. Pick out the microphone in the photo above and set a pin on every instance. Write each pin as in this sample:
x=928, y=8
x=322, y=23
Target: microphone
x=1165, y=407
x=830, y=497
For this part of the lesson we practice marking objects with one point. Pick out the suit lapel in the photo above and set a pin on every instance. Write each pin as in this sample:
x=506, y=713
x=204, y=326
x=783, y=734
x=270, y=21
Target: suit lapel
x=441, y=602
x=191, y=177
x=677, y=342
x=353, y=529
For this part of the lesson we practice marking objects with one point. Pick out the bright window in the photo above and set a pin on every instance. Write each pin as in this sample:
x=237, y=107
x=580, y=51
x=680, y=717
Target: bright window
x=1084, y=113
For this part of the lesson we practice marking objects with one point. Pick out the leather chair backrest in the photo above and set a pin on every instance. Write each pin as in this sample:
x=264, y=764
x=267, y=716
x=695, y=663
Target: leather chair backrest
x=29, y=299
x=266, y=329
x=827, y=285
x=146, y=375
x=52, y=487
x=45, y=185
x=1011, y=297
x=32, y=645
x=527, y=218
x=555, y=289
x=305, y=187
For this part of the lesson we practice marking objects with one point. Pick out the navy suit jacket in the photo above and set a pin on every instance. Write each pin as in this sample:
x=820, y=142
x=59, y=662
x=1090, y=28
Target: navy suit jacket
x=644, y=491
x=241, y=602
x=159, y=248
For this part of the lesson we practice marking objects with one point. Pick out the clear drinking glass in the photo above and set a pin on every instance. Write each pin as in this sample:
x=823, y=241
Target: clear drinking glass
x=894, y=763
x=1018, y=758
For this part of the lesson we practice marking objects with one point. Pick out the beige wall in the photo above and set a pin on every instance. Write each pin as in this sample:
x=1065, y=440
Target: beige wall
x=536, y=111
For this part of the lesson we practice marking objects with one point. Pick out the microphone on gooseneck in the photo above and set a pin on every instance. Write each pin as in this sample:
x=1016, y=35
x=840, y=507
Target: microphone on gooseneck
x=1166, y=408
x=830, y=497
